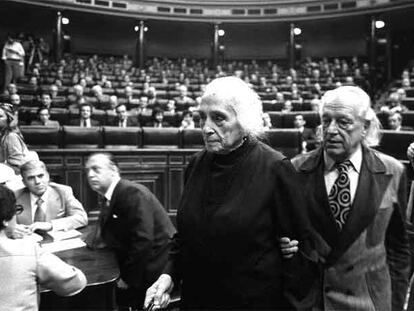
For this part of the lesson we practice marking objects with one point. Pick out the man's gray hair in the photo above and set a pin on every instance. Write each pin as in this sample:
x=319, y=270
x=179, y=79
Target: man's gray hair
x=105, y=157
x=357, y=99
x=245, y=102
x=32, y=164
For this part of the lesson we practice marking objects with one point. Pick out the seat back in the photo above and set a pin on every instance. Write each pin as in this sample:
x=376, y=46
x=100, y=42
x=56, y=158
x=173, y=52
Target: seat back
x=121, y=138
x=395, y=144
x=167, y=137
x=287, y=141
x=41, y=137
x=192, y=138
x=82, y=137
x=276, y=118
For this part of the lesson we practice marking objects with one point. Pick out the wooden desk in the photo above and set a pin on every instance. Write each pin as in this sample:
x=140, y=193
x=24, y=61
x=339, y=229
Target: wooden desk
x=101, y=270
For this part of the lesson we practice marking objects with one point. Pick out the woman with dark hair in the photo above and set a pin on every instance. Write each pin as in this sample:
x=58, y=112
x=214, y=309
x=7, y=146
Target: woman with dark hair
x=157, y=119
x=13, y=150
x=240, y=195
x=25, y=266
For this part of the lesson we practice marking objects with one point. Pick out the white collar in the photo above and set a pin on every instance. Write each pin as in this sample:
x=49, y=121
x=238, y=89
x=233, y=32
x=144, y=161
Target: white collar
x=34, y=198
x=111, y=188
x=355, y=159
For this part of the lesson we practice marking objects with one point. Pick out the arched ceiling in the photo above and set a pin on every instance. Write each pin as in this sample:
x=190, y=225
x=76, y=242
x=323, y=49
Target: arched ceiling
x=229, y=11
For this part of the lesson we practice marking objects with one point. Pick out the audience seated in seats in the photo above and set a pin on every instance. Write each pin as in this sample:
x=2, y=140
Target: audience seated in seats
x=122, y=118
x=129, y=99
x=187, y=122
x=395, y=123
x=183, y=101
x=45, y=100
x=393, y=104
x=287, y=106
x=75, y=99
x=26, y=266
x=307, y=135
x=85, y=120
x=267, y=122
x=157, y=119
x=99, y=99
x=46, y=205
x=43, y=114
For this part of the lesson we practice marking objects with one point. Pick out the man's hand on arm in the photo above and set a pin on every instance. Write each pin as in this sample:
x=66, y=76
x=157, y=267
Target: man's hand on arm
x=288, y=247
x=18, y=231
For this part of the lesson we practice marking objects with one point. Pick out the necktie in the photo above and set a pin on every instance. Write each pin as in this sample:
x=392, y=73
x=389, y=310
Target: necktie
x=340, y=195
x=85, y=124
x=94, y=240
x=39, y=214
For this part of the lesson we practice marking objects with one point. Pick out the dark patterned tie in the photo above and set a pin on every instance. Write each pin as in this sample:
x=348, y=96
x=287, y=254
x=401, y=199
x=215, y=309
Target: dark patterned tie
x=94, y=239
x=40, y=215
x=340, y=195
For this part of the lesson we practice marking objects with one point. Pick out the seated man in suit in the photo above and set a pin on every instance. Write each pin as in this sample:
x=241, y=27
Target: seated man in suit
x=85, y=120
x=183, y=101
x=46, y=205
x=395, y=123
x=44, y=118
x=122, y=119
x=307, y=134
x=134, y=225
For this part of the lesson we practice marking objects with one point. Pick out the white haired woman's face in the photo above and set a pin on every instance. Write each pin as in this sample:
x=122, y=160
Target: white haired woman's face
x=221, y=129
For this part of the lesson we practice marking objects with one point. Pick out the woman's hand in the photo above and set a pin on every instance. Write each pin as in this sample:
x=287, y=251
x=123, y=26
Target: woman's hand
x=288, y=247
x=158, y=295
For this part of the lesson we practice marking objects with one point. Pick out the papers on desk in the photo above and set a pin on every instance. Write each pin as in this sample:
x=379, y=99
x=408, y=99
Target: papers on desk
x=64, y=235
x=34, y=237
x=63, y=245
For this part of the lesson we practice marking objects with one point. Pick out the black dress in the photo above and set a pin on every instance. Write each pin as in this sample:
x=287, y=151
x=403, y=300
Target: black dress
x=232, y=211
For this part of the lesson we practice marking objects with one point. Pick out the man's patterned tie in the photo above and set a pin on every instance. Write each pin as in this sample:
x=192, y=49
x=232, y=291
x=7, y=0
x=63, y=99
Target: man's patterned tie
x=340, y=195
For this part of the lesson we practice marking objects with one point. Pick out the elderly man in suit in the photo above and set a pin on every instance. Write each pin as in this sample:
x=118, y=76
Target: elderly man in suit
x=122, y=119
x=357, y=203
x=46, y=205
x=134, y=224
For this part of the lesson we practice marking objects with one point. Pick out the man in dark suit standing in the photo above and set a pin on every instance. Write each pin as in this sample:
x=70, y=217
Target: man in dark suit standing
x=85, y=120
x=357, y=202
x=134, y=224
x=122, y=119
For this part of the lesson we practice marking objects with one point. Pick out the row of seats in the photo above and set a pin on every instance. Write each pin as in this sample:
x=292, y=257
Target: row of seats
x=39, y=137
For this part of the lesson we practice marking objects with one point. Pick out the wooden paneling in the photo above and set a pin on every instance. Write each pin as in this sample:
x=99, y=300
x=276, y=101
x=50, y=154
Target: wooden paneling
x=162, y=171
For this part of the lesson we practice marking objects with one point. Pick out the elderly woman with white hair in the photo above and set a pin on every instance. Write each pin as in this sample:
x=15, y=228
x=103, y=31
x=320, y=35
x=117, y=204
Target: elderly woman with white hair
x=239, y=196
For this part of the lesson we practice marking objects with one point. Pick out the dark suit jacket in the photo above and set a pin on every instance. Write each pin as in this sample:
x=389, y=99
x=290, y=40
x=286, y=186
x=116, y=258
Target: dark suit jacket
x=131, y=121
x=50, y=123
x=76, y=122
x=366, y=265
x=226, y=251
x=308, y=135
x=138, y=229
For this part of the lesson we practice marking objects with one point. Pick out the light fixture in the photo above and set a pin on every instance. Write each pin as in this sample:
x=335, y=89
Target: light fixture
x=297, y=31
x=379, y=24
x=65, y=20
x=136, y=28
x=145, y=28
x=221, y=32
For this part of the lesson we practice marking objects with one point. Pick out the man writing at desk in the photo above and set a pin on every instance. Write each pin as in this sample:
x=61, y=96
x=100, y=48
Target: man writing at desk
x=46, y=205
x=134, y=225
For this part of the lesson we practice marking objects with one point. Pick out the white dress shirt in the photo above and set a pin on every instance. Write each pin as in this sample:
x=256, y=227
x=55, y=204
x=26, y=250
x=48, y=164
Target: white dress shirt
x=111, y=188
x=331, y=174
